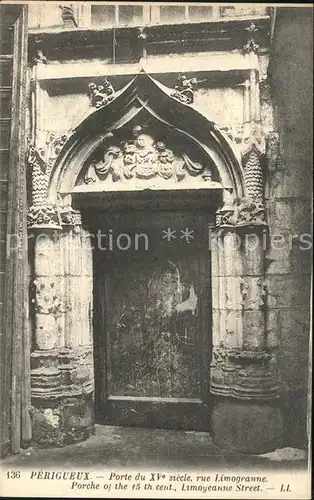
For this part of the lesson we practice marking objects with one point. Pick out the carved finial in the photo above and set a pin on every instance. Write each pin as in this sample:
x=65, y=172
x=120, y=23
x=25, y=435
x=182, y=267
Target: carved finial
x=141, y=34
x=184, y=89
x=100, y=94
x=67, y=15
x=39, y=56
x=142, y=37
x=251, y=45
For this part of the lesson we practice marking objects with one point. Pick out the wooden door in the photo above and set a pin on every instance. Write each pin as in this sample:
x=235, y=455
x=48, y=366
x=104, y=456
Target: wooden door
x=152, y=320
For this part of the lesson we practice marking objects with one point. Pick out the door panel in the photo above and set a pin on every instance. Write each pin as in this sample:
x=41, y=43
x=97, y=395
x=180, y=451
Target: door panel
x=152, y=322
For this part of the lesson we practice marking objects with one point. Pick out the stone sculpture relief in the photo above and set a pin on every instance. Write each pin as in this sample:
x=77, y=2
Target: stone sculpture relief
x=245, y=212
x=184, y=89
x=41, y=161
x=143, y=158
x=100, y=94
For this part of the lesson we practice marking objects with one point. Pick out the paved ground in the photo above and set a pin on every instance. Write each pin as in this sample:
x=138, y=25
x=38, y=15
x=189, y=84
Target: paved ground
x=129, y=447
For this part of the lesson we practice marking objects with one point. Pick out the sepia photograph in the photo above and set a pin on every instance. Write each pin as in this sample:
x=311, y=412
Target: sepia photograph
x=156, y=164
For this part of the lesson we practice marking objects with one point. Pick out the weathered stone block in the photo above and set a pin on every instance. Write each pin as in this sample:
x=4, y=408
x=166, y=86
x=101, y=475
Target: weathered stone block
x=253, y=292
x=64, y=422
x=77, y=105
x=253, y=330
x=278, y=259
x=46, y=359
x=272, y=328
x=287, y=290
x=280, y=216
x=294, y=329
x=78, y=292
x=247, y=427
x=293, y=369
x=230, y=296
x=295, y=411
x=77, y=417
x=231, y=328
x=288, y=180
x=289, y=216
x=47, y=427
x=253, y=257
x=232, y=264
x=47, y=262
x=215, y=292
x=215, y=327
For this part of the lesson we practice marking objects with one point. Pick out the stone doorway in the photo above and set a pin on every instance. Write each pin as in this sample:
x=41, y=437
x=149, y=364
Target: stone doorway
x=137, y=148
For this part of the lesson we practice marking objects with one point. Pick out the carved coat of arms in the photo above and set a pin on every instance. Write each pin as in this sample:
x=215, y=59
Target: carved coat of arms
x=142, y=158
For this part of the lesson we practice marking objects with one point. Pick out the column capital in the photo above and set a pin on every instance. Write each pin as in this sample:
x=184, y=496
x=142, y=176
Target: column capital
x=50, y=216
x=245, y=213
x=44, y=216
x=70, y=217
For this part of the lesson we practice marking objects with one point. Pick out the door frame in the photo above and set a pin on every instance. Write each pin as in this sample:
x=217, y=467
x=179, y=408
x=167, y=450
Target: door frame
x=160, y=202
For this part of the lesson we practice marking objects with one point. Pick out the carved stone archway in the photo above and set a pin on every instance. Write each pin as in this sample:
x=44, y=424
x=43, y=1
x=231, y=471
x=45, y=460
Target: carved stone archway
x=144, y=138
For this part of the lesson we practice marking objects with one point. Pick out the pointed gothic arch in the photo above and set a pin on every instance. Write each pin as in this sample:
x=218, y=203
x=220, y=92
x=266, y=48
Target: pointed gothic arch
x=141, y=101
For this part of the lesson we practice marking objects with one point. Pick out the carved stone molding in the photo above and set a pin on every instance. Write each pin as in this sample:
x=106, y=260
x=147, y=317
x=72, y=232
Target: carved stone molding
x=244, y=374
x=184, y=89
x=100, y=94
x=43, y=217
x=144, y=158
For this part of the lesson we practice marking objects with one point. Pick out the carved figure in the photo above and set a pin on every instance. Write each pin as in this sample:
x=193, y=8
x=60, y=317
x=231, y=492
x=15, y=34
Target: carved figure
x=146, y=157
x=184, y=89
x=109, y=164
x=101, y=94
x=67, y=14
x=166, y=158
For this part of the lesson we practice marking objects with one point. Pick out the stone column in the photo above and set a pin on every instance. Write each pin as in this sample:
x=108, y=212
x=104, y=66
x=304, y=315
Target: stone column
x=246, y=416
x=62, y=358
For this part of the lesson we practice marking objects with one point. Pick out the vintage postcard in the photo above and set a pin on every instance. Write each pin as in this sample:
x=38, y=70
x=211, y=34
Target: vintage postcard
x=156, y=249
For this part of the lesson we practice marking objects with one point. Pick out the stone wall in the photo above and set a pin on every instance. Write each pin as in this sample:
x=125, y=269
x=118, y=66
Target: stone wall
x=239, y=98
x=289, y=204
x=5, y=123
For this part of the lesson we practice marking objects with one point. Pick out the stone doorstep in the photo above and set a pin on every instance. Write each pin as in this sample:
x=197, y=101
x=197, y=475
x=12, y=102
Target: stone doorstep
x=118, y=445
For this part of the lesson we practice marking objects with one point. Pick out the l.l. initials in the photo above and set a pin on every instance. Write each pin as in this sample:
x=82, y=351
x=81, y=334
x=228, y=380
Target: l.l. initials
x=285, y=488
